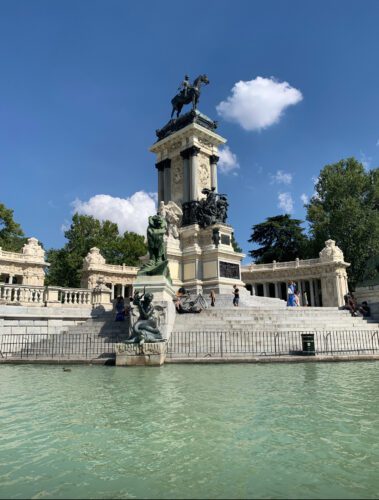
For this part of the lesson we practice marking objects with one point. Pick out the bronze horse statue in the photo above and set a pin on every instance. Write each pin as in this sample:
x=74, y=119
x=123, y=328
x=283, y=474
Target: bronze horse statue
x=193, y=94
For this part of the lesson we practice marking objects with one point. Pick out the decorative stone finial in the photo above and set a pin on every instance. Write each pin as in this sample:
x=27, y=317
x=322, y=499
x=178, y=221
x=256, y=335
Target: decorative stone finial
x=331, y=252
x=33, y=249
x=93, y=257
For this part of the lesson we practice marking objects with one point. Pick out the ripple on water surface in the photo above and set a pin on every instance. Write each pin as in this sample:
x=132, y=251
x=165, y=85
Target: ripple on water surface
x=188, y=431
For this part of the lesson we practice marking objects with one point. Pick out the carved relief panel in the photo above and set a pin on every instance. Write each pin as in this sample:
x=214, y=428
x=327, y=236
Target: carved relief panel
x=177, y=180
x=204, y=173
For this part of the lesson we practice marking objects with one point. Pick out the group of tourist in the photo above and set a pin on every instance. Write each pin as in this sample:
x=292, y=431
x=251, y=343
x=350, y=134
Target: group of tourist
x=351, y=305
x=293, y=295
x=293, y=300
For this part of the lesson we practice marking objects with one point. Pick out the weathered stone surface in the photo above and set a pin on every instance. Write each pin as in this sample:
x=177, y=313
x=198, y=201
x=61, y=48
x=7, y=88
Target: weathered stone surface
x=148, y=354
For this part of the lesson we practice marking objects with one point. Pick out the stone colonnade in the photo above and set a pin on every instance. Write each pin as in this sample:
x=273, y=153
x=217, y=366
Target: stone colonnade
x=190, y=179
x=310, y=290
x=24, y=268
x=321, y=282
x=119, y=279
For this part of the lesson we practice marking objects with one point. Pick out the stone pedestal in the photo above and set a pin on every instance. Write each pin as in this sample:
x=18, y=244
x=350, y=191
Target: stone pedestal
x=209, y=261
x=163, y=298
x=148, y=354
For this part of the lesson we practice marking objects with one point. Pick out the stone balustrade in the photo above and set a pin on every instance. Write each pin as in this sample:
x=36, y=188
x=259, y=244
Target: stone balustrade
x=53, y=295
x=321, y=281
x=291, y=264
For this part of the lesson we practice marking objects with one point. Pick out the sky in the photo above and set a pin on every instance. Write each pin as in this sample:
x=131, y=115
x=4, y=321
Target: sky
x=294, y=85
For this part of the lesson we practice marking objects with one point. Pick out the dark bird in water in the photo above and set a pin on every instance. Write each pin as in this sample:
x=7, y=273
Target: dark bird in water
x=66, y=369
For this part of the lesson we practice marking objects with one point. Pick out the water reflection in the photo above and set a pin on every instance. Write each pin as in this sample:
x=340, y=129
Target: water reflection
x=187, y=431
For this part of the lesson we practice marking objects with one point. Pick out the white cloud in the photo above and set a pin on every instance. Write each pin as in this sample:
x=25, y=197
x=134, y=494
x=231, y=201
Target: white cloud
x=281, y=177
x=228, y=162
x=258, y=103
x=304, y=198
x=130, y=214
x=285, y=202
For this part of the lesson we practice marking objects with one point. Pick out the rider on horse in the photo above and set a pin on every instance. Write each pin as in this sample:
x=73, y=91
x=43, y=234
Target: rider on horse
x=184, y=86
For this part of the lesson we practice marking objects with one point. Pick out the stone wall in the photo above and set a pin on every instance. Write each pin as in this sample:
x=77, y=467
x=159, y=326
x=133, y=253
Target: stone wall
x=19, y=320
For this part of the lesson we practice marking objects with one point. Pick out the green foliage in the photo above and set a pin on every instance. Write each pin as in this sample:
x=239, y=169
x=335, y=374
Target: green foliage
x=12, y=237
x=280, y=238
x=346, y=209
x=235, y=245
x=84, y=233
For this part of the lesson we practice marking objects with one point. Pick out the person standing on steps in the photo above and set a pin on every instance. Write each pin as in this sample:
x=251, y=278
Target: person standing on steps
x=291, y=301
x=212, y=296
x=236, y=294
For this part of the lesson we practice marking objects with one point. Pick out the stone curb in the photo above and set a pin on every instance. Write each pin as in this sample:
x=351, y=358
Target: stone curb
x=274, y=359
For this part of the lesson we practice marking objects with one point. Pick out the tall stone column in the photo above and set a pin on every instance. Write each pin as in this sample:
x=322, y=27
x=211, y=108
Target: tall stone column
x=186, y=174
x=194, y=151
x=277, y=290
x=312, y=298
x=160, y=168
x=213, y=159
x=167, y=180
x=317, y=294
x=300, y=293
x=266, y=291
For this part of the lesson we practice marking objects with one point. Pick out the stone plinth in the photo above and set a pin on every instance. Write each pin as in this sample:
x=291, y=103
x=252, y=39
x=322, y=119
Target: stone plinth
x=148, y=354
x=208, y=259
x=157, y=285
x=163, y=298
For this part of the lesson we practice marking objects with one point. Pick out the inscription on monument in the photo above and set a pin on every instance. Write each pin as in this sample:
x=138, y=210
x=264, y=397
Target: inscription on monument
x=225, y=239
x=229, y=270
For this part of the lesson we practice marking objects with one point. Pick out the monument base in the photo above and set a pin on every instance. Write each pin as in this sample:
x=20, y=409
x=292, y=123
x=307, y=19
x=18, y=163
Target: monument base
x=157, y=285
x=208, y=260
x=164, y=294
x=147, y=354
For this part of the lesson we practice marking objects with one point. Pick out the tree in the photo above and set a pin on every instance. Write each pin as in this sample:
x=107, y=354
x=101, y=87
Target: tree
x=12, y=237
x=235, y=245
x=345, y=208
x=280, y=238
x=84, y=233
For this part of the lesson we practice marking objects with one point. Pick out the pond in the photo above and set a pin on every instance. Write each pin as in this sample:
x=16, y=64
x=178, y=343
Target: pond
x=188, y=431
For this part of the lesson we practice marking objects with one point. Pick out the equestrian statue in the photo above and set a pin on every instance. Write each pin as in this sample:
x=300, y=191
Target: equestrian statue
x=188, y=94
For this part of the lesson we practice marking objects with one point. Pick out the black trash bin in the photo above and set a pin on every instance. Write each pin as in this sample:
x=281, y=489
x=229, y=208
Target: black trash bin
x=308, y=341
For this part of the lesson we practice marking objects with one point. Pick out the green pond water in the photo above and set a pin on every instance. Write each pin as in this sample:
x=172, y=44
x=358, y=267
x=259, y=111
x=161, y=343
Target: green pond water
x=187, y=431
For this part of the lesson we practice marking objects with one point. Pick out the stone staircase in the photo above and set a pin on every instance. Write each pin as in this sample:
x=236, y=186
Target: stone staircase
x=90, y=340
x=302, y=319
x=225, y=332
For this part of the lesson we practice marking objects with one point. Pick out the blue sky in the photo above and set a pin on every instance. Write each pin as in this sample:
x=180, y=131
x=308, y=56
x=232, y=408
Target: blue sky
x=84, y=85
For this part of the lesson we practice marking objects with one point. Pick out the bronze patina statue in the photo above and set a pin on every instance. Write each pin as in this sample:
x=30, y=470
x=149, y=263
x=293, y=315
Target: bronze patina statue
x=158, y=263
x=188, y=94
x=145, y=329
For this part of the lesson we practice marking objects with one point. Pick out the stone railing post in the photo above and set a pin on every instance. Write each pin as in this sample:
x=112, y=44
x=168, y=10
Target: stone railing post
x=101, y=296
x=51, y=296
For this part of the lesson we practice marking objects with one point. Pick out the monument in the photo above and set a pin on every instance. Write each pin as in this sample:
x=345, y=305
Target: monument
x=199, y=242
x=150, y=330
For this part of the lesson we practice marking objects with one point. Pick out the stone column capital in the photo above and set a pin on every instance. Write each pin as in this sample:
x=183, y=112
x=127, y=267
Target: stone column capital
x=191, y=151
x=163, y=164
x=214, y=159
